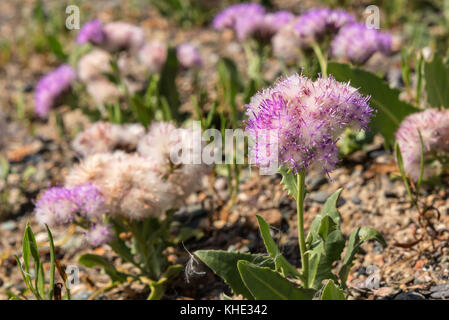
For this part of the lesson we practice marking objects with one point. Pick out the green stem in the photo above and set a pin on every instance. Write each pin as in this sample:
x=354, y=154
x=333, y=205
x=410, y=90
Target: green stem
x=321, y=59
x=157, y=292
x=300, y=215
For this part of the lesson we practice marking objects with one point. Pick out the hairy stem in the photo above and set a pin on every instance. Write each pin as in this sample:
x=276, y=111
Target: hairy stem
x=300, y=215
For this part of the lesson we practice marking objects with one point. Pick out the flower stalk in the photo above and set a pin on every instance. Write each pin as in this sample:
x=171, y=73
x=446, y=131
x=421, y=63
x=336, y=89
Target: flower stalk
x=300, y=195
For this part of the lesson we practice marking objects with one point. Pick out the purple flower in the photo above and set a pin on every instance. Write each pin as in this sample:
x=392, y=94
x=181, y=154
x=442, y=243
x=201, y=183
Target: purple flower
x=228, y=17
x=338, y=19
x=153, y=55
x=89, y=201
x=50, y=87
x=271, y=23
x=92, y=32
x=357, y=43
x=188, y=56
x=312, y=25
x=434, y=128
x=297, y=121
x=99, y=234
x=315, y=23
x=250, y=20
x=59, y=205
x=55, y=207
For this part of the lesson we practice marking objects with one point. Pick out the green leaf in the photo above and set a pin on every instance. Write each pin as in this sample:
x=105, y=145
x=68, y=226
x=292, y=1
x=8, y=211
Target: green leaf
x=266, y=284
x=229, y=79
x=322, y=255
x=4, y=168
x=52, y=263
x=436, y=75
x=140, y=111
x=167, y=83
x=400, y=164
x=289, y=181
x=280, y=262
x=390, y=110
x=26, y=277
x=38, y=268
x=332, y=292
x=56, y=47
x=329, y=209
x=224, y=264
x=357, y=237
x=92, y=260
x=119, y=246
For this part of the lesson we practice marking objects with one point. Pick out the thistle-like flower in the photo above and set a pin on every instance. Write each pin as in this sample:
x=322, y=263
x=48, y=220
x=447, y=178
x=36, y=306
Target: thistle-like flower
x=51, y=87
x=102, y=137
x=250, y=20
x=93, y=65
x=153, y=56
x=60, y=205
x=55, y=207
x=89, y=201
x=297, y=122
x=229, y=17
x=131, y=184
x=434, y=128
x=92, y=32
x=315, y=23
x=123, y=36
x=357, y=43
x=188, y=56
x=99, y=234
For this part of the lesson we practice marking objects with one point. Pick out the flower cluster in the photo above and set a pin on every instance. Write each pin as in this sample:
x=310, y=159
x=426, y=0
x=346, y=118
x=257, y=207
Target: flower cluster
x=59, y=206
x=188, y=56
x=251, y=20
x=315, y=23
x=297, y=122
x=153, y=55
x=135, y=58
x=91, y=32
x=50, y=87
x=146, y=183
x=114, y=36
x=434, y=128
x=102, y=137
x=357, y=43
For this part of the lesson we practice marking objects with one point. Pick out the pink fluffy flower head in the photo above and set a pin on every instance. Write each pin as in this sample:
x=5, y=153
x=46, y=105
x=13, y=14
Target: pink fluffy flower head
x=153, y=56
x=297, y=121
x=357, y=43
x=51, y=87
x=60, y=205
x=123, y=36
x=250, y=20
x=92, y=32
x=99, y=234
x=228, y=17
x=434, y=128
x=315, y=23
x=103, y=137
x=188, y=56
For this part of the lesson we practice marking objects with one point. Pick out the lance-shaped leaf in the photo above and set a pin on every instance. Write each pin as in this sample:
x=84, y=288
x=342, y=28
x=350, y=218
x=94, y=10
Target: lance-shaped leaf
x=224, y=264
x=332, y=292
x=357, y=237
x=329, y=209
x=436, y=74
x=92, y=260
x=280, y=262
x=267, y=284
